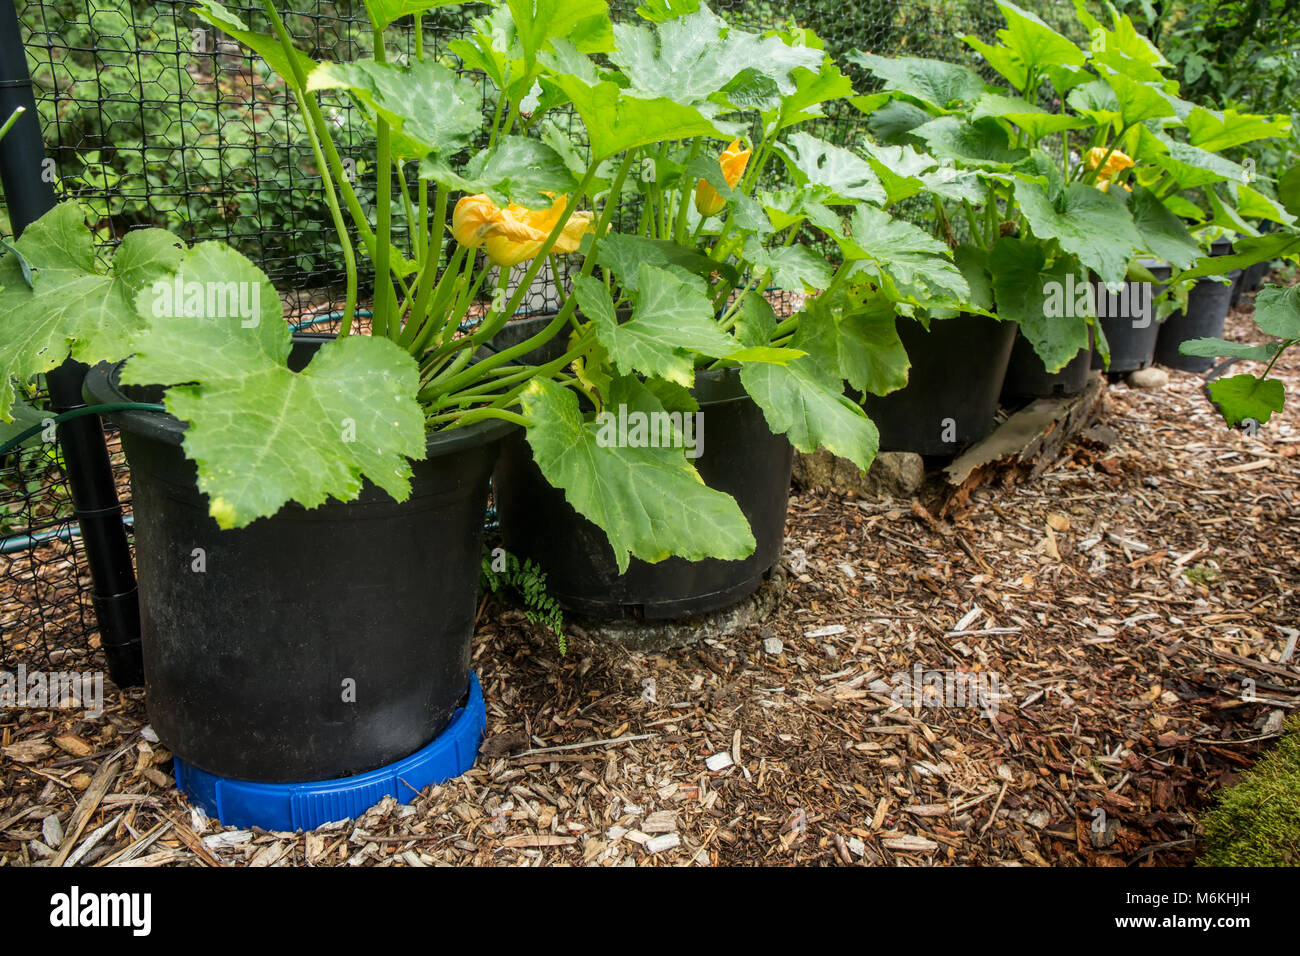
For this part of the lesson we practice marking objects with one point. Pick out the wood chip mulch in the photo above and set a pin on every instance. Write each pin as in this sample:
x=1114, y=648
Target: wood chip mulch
x=1121, y=605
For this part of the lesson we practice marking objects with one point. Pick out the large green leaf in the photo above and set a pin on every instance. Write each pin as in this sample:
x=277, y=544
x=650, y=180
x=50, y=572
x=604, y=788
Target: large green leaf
x=797, y=268
x=650, y=502
x=1043, y=299
x=260, y=434
x=1093, y=225
x=983, y=143
x=871, y=355
x=616, y=121
x=1163, y=234
x=671, y=322
x=1247, y=251
x=1277, y=311
x=896, y=121
x=805, y=399
x=1219, y=348
x=73, y=306
x=755, y=321
x=432, y=108
x=913, y=264
x=1215, y=131
x=584, y=23
x=819, y=163
x=1288, y=190
x=899, y=169
x=691, y=58
x=1253, y=204
x=936, y=82
x=518, y=169
x=1028, y=46
x=1137, y=101
x=1034, y=120
x=1188, y=165
x=812, y=88
x=1244, y=397
x=624, y=255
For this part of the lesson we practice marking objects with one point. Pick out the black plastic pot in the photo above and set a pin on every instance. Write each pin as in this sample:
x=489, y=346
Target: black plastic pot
x=1028, y=378
x=741, y=457
x=1253, y=276
x=1207, y=309
x=1131, y=337
x=316, y=643
x=952, y=392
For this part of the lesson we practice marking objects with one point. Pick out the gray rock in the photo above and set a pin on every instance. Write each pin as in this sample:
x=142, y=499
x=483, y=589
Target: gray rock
x=894, y=474
x=1150, y=377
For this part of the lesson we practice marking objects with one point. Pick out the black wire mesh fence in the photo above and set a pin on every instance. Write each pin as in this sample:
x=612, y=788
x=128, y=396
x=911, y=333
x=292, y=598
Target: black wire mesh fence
x=151, y=118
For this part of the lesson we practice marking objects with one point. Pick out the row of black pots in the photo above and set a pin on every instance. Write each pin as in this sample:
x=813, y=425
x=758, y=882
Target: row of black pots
x=326, y=642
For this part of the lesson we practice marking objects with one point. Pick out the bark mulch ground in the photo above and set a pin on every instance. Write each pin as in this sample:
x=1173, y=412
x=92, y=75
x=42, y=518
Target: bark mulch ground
x=1120, y=613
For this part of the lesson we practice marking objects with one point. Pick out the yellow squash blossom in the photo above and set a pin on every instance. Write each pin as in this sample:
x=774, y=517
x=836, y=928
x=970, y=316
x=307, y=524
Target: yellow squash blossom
x=511, y=235
x=708, y=201
x=1117, y=163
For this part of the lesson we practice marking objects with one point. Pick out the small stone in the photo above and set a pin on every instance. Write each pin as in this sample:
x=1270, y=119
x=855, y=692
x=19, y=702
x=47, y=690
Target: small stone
x=148, y=734
x=1150, y=377
x=52, y=830
x=719, y=761
x=857, y=847
x=1039, y=819
x=773, y=646
x=666, y=841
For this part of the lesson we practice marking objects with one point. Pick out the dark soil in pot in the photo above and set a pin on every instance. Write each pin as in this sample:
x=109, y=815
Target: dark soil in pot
x=312, y=644
x=1130, y=331
x=951, y=396
x=740, y=457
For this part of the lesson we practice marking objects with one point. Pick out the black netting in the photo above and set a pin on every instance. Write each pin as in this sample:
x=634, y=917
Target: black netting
x=152, y=119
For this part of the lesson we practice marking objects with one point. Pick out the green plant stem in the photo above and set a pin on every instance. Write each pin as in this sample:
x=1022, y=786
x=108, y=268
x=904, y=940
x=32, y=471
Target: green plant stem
x=562, y=317
x=298, y=85
x=13, y=118
x=385, y=298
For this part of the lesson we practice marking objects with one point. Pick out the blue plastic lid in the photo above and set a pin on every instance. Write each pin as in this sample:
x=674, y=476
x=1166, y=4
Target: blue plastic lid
x=305, y=806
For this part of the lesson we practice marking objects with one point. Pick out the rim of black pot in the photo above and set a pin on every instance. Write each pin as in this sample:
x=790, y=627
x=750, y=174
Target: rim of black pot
x=102, y=386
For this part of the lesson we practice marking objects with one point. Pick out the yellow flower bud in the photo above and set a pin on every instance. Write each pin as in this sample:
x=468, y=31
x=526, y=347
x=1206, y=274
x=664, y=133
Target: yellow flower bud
x=708, y=201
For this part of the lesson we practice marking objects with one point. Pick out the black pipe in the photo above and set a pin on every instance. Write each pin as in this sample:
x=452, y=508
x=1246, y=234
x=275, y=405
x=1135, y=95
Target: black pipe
x=29, y=193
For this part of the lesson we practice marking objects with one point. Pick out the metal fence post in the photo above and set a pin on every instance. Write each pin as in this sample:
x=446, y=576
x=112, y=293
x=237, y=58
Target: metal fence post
x=29, y=194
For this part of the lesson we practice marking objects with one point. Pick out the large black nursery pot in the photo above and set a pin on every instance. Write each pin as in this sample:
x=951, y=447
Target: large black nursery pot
x=951, y=396
x=1027, y=377
x=1131, y=332
x=313, y=644
x=1207, y=310
x=740, y=457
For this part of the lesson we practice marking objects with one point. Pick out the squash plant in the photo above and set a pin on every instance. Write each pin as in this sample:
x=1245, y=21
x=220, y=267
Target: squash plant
x=482, y=189
x=1246, y=397
x=719, y=223
x=1085, y=160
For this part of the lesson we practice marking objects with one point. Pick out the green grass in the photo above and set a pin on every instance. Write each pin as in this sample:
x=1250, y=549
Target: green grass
x=1257, y=822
